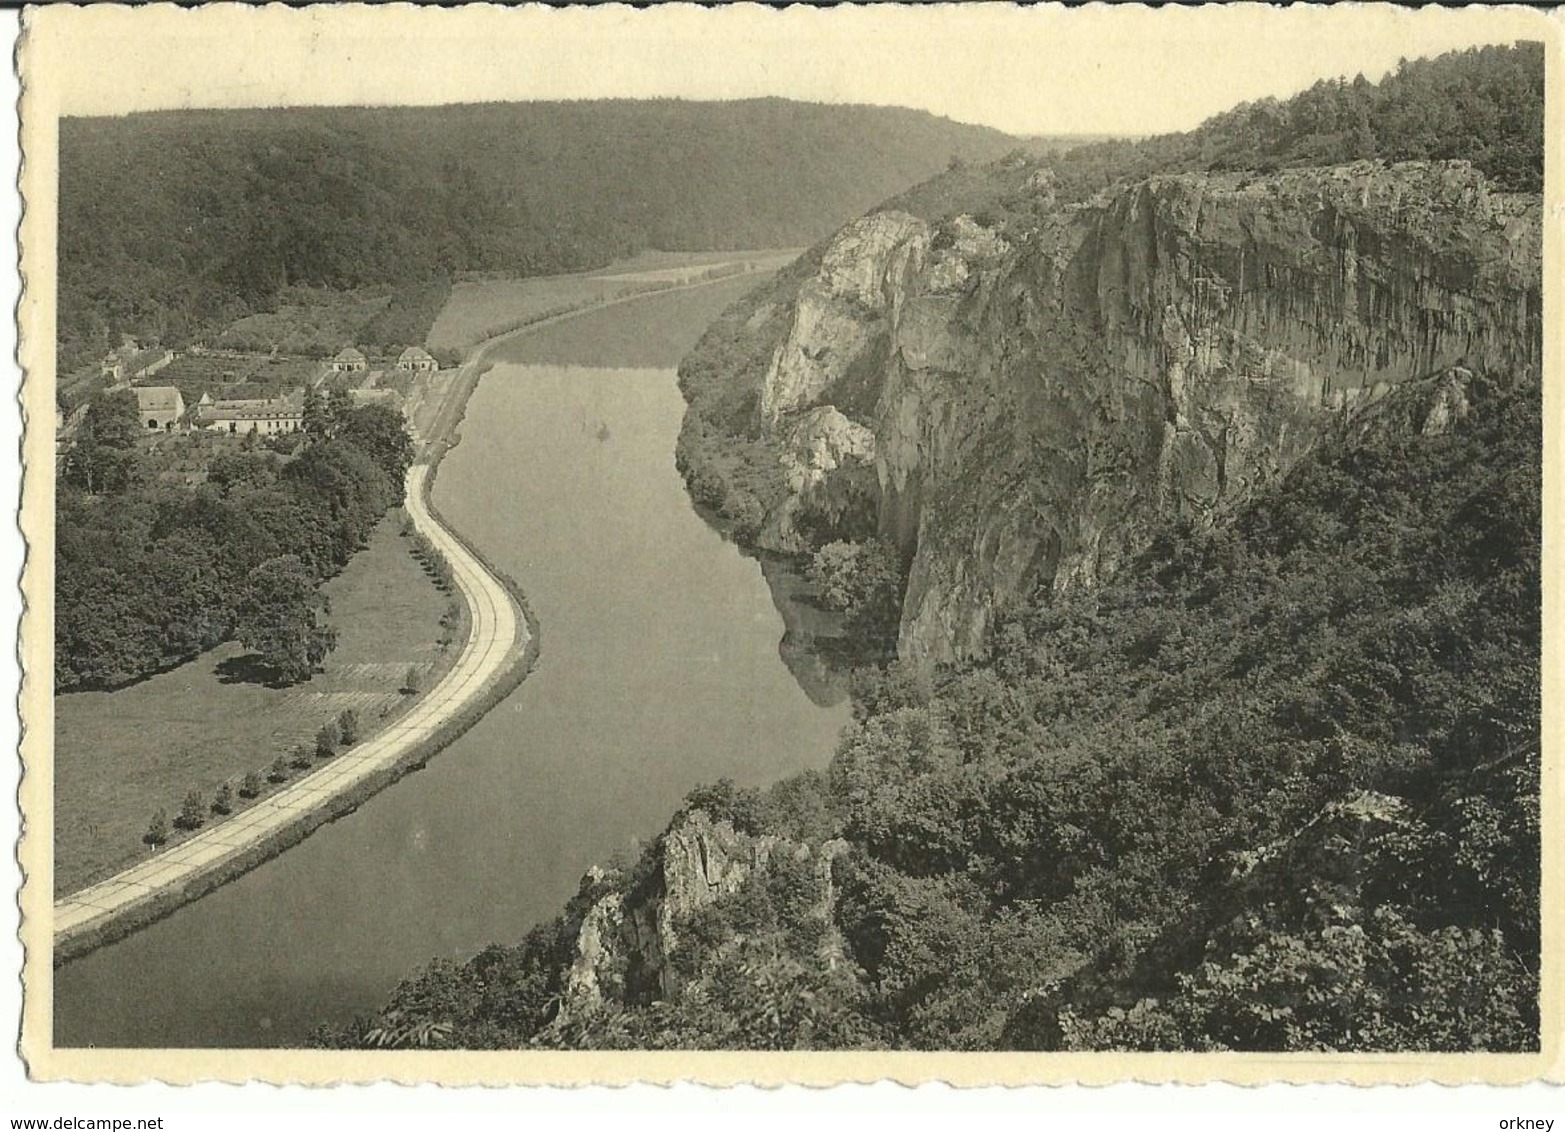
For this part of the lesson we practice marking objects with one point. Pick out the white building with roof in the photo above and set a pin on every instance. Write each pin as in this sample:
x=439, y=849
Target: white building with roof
x=350, y=360
x=160, y=406
x=418, y=360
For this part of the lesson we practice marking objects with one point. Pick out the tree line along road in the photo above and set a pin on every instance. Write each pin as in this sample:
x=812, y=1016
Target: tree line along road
x=498, y=633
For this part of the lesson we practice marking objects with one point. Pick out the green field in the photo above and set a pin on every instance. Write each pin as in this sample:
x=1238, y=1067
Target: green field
x=655, y=331
x=481, y=309
x=121, y=755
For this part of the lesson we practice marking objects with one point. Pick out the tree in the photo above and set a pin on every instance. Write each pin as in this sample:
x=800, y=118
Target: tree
x=223, y=800
x=326, y=740
x=279, y=771
x=251, y=786
x=157, y=832
x=382, y=434
x=413, y=682
x=283, y=618
x=318, y=421
x=348, y=727
x=301, y=759
x=102, y=460
x=192, y=812
x=864, y=582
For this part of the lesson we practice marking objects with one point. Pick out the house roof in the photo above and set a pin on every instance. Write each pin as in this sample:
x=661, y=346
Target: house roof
x=159, y=399
x=415, y=354
x=349, y=354
x=271, y=410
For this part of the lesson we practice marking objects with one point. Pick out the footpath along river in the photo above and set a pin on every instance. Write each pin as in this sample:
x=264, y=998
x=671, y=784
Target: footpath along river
x=659, y=670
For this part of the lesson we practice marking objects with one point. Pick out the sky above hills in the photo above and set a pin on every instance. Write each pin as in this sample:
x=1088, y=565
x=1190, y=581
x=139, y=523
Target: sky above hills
x=1025, y=71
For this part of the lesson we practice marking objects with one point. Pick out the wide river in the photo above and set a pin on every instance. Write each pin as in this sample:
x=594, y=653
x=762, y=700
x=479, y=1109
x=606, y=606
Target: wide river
x=660, y=669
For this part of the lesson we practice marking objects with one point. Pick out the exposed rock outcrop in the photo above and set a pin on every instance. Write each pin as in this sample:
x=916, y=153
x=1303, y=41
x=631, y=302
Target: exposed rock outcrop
x=629, y=933
x=1030, y=407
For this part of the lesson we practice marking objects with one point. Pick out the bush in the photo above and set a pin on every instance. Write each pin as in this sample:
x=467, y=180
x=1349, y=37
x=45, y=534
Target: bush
x=223, y=800
x=279, y=771
x=326, y=740
x=413, y=682
x=348, y=727
x=192, y=812
x=302, y=759
x=157, y=832
x=251, y=786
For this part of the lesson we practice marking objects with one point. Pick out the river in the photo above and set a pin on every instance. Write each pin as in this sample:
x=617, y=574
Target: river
x=660, y=669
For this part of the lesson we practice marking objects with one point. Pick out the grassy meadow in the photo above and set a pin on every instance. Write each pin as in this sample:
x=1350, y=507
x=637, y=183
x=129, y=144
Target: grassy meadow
x=481, y=308
x=121, y=755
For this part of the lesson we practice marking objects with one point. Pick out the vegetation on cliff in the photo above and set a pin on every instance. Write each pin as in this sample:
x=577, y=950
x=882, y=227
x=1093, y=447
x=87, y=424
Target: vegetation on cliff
x=173, y=223
x=1273, y=788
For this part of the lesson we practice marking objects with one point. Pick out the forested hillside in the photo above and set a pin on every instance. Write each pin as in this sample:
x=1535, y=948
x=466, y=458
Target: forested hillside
x=172, y=222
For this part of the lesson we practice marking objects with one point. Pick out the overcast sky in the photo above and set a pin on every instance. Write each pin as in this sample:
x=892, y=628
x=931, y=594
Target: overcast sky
x=1034, y=71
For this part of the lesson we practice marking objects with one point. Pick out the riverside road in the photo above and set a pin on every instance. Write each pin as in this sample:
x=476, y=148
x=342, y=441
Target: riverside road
x=498, y=631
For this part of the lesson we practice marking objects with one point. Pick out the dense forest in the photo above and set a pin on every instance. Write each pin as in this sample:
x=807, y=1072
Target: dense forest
x=172, y=223
x=1483, y=105
x=1272, y=785
x=148, y=573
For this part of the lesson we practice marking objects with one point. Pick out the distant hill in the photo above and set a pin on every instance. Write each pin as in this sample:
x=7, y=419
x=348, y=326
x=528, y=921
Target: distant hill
x=170, y=221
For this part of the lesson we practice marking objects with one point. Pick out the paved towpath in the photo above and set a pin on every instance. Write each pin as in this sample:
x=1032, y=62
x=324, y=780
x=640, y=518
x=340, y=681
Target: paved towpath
x=498, y=631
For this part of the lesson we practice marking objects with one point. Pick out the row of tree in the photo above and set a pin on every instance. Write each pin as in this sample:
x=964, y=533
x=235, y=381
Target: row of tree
x=148, y=575
x=340, y=732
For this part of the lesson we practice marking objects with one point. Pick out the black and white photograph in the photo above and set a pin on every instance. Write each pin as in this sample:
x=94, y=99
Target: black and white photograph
x=883, y=532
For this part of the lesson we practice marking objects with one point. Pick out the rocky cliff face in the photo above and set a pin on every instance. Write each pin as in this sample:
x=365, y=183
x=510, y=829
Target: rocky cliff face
x=1029, y=405
x=628, y=936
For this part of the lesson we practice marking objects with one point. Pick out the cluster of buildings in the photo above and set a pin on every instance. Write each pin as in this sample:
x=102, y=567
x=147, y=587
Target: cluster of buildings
x=163, y=407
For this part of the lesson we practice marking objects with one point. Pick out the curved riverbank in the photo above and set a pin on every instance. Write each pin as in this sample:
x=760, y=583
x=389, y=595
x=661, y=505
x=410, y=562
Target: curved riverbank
x=497, y=608
x=499, y=651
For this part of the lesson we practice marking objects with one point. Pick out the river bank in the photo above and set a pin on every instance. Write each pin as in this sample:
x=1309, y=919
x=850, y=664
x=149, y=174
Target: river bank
x=499, y=650
x=150, y=890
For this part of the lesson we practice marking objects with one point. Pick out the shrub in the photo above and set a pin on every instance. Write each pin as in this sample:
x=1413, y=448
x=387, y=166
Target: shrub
x=413, y=682
x=192, y=812
x=157, y=832
x=251, y=786
x=301, y=757
x=223, y=800
x=279, y=771
x=348, y=727
x=326, y=740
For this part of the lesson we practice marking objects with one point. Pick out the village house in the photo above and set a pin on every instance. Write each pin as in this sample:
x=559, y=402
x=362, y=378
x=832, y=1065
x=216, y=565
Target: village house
x=268, y=416
x=159, y=406
x=349, y=361
x=418, y=360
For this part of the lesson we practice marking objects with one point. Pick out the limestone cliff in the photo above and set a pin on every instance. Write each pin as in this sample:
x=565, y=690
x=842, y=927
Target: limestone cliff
x=1029, y=403
x=629, y=935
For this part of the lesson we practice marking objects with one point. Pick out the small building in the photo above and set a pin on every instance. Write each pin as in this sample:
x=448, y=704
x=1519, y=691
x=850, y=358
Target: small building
x=160, y=406
x=418, y=360
x=349, y=361
x=269, y=419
